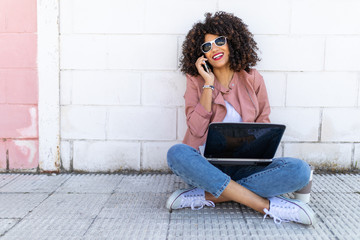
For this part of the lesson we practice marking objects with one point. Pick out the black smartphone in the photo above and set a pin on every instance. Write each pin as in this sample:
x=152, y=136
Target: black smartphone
x=206, y=67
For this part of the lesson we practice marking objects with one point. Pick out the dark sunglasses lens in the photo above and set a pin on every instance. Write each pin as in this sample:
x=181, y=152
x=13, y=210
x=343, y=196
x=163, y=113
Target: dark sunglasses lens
x=206, y=47
x=220, y=41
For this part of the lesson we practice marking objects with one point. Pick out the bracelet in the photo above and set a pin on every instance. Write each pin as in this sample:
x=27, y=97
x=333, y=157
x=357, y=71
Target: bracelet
x=209, y=86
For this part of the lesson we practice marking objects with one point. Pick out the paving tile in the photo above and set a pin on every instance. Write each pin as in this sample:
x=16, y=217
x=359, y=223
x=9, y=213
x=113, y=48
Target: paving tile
x=351, y=180
x=53, y=228
x=6, y=224
x=35, y=183
x=134, y=206
x=126, y=215
x=339, y=213
x=80, y=206
x=141, y=228
x=91, y=183
x=231, y=221
x=329, y=183
x=162, y=183
x=121, y=206
x=207, y=223
x=6, y=178
x=19, y=205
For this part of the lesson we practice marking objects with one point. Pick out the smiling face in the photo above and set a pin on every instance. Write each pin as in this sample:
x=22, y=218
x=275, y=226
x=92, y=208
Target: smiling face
x=218, y=57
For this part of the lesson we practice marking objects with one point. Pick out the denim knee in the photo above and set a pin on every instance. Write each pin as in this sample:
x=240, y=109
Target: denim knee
x=171, y=155
x=187, y=163
x=175, y=155
x=301, y=171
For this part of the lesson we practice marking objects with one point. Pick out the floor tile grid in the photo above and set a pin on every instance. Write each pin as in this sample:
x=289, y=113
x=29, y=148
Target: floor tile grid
x=35, y=183
x=91, y=183
x=64, y=218
x=6, y=178
x=341, y=201
x=139, y=202
x=323, y=232
x=227, y=221
x=91, y=225
x=16, y=193
x=352, y=180
x=10, y=193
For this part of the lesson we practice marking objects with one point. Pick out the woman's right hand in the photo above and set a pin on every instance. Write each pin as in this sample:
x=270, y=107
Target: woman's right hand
x=208, y=77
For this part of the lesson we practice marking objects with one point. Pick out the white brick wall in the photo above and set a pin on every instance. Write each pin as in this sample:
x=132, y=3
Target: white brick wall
x=154, y=155
x=100, y=87
x=276, y=87
x=326, y=155
x=325, y=17
x=83, y=122
x=291, y=53
x=181, y=124
x=121, y=91
x=341, y=125
x=105, y=51
x=66, y=155
x=357, y=156
x=302, y=124
x=163, y=16
x=142, y=123
x=342, y=53
x=163, y=89
x=106, y=156
x=262, y=17
x=322, y=89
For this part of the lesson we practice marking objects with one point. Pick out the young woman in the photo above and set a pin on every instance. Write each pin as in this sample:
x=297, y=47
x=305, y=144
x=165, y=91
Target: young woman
x=231, y=91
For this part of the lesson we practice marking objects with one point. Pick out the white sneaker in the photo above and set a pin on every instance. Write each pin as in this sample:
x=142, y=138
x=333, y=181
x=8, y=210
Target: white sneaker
x=284, y=210
x=193, y=197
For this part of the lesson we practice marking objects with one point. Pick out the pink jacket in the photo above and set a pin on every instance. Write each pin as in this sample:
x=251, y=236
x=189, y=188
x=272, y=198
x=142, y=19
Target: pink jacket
x=247, y=94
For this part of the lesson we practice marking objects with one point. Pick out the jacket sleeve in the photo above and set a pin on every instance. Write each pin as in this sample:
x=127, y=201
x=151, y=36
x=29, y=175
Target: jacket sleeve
x=263, y=100
x=197, y=117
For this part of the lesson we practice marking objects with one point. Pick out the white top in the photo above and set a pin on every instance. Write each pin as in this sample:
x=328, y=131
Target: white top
x=231, y=114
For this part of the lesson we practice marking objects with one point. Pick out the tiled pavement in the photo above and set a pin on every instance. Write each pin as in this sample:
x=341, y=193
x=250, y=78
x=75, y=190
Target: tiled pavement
x=131, y=206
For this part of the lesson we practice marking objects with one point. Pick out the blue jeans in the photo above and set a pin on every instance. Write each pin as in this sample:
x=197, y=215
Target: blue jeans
x=283, y=175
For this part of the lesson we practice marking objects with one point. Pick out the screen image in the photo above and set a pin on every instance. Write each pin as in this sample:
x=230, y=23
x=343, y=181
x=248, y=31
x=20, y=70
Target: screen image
x=232, y=140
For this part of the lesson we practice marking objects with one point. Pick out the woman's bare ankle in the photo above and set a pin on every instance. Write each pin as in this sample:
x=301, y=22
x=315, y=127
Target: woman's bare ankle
x=210, y=197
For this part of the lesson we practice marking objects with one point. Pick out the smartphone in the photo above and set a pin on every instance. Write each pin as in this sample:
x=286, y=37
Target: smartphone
x=206, y=67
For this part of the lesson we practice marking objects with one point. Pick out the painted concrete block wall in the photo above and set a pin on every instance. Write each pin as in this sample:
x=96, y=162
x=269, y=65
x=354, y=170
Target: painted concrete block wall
x=121, y=90
x=18, y=86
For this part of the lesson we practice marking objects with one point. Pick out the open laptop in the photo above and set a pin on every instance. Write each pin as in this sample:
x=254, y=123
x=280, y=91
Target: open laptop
x=242, y=143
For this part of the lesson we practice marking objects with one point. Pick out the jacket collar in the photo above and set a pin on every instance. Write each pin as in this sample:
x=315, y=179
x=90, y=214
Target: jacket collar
x=220, y=89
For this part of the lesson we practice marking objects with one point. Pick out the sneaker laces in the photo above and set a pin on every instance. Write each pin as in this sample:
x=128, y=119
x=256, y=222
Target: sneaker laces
x=283, y=212
x=196, y=201
x=277, y=220
x=197, y=204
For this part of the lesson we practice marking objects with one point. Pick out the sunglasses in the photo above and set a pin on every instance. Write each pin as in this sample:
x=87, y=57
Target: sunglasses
x=207, y=46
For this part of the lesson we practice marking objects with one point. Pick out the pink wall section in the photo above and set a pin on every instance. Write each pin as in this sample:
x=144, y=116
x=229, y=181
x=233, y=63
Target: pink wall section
x=18, y=16
x=18, y=85
x=18, y=50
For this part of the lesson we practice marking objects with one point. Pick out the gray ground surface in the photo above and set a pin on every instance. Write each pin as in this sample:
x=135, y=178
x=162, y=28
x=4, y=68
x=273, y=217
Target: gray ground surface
x=132, y=206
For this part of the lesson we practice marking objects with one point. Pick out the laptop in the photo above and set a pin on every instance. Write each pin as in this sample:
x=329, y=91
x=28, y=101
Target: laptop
x=242, y=143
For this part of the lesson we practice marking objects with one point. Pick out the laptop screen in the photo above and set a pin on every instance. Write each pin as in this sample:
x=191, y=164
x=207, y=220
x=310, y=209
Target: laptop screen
x=243, y=140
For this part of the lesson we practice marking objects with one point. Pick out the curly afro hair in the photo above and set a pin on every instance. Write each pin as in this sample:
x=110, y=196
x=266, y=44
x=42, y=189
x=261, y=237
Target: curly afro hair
x=241, y=44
